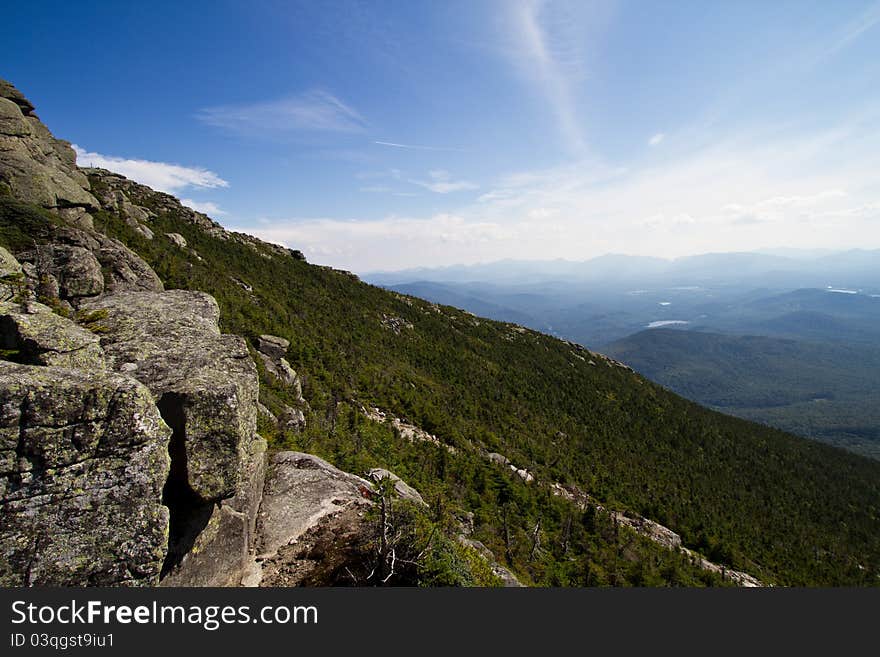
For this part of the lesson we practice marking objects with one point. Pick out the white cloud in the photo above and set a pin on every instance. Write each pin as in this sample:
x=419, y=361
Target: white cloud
x=206, y=207
x=656, y=139
x=161, y=176
x=370, y=244
x=748, y=193
x=312, y=110
x=441, y=183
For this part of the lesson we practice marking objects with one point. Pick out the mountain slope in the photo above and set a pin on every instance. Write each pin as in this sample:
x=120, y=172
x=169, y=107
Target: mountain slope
x=751, y=497
x=823, y=391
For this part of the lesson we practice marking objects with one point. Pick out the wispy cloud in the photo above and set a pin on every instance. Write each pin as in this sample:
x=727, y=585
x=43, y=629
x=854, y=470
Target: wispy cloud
x=206, y=207
x=440, y=182
x=655, y=140
x=548, y=45
x=414, y=147
x=315, y=110
x=162, y=176
x=853, y=30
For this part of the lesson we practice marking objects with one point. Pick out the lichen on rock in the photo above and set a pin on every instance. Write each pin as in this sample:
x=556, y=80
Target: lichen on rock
x=83, y=458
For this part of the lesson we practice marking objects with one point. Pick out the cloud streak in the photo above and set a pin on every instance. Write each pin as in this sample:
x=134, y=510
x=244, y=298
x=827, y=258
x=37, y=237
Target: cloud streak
x=547, y=46
x=414, y=147
x=162, y=176
x=855, y=29
x=315, y=110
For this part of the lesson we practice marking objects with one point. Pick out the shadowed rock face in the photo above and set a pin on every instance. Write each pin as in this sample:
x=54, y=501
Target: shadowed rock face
x=83, y=457
x=206, y=387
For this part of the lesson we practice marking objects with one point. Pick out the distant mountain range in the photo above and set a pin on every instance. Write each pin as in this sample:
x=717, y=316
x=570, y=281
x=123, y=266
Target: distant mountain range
x=806, y=269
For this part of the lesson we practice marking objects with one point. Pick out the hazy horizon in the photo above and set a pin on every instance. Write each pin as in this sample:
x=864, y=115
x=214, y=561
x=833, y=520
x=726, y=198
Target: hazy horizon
x=428, y=134
x=788, y=253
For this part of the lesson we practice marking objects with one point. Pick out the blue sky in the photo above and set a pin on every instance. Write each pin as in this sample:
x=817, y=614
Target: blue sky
x=386, y=135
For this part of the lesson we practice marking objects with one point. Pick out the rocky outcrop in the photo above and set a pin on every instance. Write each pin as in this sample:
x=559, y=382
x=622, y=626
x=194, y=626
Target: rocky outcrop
x=206, y=388
x=71, y=256
x=35, y=166
x=649, y=529
x=304, y=496
x=655, y=532
x=40, y=337
x=507, y=578
x=138, y=205
x=177, y=239
x=404, y=429
x=66, y=271
x=291, y=418
x=272, y=351
x=272, y=346
x=83, y=458
x=402, y=489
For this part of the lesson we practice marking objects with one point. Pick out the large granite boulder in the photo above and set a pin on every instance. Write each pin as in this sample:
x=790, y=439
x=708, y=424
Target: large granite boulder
x=310, y=510
x=271, y=350
x=40, y=337
x=83, y=458
x=206, y=383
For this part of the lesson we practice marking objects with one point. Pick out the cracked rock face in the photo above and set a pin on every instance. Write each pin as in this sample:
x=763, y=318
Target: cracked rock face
x=83, y=458
x=221, y=553
x=207, y=382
